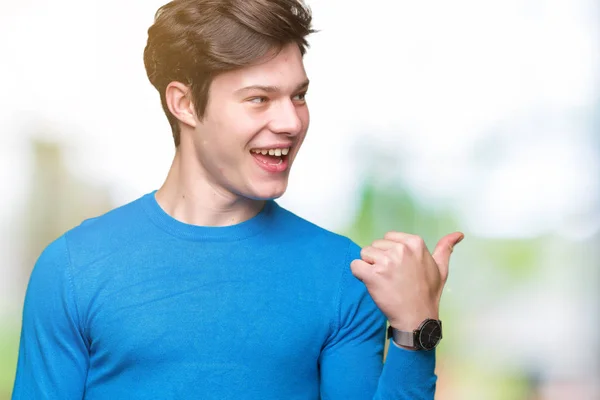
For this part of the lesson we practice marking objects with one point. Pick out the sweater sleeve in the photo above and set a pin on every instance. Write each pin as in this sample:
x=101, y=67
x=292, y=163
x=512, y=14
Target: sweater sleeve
x=351, y=361
x=53, y=356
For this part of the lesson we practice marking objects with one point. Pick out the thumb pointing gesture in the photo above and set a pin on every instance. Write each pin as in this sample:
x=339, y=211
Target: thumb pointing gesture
x=443, y=250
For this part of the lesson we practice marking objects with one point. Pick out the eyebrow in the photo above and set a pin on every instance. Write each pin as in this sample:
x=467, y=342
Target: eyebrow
x=271, y=89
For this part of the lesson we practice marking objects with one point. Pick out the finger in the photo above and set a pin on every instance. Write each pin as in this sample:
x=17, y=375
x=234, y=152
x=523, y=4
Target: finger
x=383, y=244
x=443, y=250
x=371, y=254
x=445, y=246
x=413, y=241
x=399, y=236
x=362, y=270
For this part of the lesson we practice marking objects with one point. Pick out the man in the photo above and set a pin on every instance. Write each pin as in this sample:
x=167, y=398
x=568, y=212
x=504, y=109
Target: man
x=207, y=288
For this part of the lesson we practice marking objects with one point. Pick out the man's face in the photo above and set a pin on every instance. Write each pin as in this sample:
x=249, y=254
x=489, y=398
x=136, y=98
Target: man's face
x=254, y=124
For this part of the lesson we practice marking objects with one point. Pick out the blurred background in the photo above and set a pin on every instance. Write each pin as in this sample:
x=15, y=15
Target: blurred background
x=427, y=117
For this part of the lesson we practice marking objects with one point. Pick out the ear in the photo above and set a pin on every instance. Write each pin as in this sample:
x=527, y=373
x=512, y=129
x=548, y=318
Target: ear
x=179, y=102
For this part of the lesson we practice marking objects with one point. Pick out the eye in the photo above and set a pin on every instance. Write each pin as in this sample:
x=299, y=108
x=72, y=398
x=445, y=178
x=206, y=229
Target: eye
x=301, y=97
x=258, y=100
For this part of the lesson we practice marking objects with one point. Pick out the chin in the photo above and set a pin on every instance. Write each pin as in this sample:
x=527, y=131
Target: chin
x=269, y=192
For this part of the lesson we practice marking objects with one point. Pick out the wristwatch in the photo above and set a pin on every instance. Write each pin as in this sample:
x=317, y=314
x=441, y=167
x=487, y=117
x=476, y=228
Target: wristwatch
x=425, y=337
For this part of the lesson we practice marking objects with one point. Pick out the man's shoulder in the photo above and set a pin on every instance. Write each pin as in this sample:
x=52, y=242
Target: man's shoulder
x=122, y=215
x=116, y=226
x=314, y=234
x=94, y=237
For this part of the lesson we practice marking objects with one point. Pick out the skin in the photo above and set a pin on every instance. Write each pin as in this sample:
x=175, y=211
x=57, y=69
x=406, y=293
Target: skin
x=215, y=181
x=403, y=278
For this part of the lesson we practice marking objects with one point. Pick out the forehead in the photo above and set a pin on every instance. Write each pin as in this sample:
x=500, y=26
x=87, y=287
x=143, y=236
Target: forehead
x=285, y=70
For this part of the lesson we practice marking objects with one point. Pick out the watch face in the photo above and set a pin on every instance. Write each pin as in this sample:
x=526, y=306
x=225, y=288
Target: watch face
x=430, y=335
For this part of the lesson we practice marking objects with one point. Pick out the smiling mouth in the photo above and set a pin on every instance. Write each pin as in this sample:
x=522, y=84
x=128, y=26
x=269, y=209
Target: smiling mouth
x=271, y=156
x=272, y=152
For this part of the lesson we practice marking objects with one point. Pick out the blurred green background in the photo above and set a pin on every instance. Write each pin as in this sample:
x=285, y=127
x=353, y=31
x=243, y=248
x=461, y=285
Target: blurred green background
x=482, y=117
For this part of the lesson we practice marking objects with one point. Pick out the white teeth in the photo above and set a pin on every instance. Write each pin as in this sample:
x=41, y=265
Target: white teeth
x=272, y=152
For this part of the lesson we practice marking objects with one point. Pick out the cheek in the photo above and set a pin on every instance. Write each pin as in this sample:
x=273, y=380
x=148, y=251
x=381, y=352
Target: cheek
x=304, y=116
x=242, y=123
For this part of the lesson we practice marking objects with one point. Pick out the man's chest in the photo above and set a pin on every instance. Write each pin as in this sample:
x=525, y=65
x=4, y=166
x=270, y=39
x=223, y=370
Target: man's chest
x=209, y=315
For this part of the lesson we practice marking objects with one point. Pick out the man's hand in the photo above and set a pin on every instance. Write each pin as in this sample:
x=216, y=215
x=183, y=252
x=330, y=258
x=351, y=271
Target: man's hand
x=403, y=278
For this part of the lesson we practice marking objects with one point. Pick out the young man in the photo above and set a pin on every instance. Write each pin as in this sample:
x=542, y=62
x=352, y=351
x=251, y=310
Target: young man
x=207, y=288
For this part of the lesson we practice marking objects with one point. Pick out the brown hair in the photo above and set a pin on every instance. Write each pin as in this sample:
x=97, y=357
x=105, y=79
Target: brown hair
x=192, y=41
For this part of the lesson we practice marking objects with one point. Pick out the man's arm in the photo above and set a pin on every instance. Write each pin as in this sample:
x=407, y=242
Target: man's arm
x=352, y=360
x=53, y=355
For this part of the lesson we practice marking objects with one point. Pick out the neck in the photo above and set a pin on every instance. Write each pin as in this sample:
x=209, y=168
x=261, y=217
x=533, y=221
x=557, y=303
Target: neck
x=190, y=196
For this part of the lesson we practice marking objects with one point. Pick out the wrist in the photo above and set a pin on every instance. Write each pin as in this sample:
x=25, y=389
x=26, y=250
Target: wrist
x=393, y=343
x=412, y=322
x=425, y=337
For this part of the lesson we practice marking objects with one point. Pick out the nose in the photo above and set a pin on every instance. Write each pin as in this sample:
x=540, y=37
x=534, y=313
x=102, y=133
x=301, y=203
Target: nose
x=286, y=119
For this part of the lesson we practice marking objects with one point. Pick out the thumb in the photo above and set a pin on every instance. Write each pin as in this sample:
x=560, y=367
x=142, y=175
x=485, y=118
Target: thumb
x=441, y=253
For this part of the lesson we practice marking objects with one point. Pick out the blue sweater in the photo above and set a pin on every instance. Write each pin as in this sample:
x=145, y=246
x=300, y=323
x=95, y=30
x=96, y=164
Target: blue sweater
x=137, y=305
